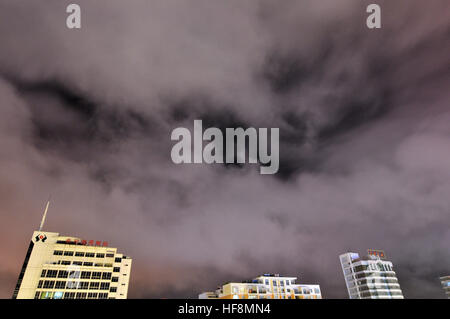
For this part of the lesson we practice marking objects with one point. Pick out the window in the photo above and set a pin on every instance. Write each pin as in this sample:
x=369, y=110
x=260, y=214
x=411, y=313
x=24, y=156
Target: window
x=58, y=253
x=71, y=284
x=78, y=263
x=104, y=286
x=96, y=275
x=102, y=295
x=118, y=260
x=40, y=283
x=81, y=295
x=113, y=289
x=65, y=262
x=108, y=265
x=51, y=273
x=87, y=264
x=100, y=256
x=46, y=295
x=43, y=273
x=69, y=295
x=79, y=254
x=85, y=275
x=84, y=285
x=98, y=265
x=115, y=279
x=109, y=255
x=60, y=285
x=90, y=255
x=74, y=274
x=106, y=276
x=92, y=295
x=37, y=294
x=63, y=274
x=116, y=269
x=94, y=285
x=68, y=253
x=49, y=284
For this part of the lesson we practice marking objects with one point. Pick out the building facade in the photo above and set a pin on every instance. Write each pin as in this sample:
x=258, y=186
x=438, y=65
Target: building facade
x=60, y=267
x=445, y=281
x=370, y=277
x=268, y=286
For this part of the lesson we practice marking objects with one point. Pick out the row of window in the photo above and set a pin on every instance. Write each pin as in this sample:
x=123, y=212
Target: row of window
x=70, y=295
x=86, y=285
x=262, y=290
x=50, y=273
x=84, y=254
x=80, y=263
x=374, y=274
x=278, y=297
x=276, y=282
x=385, y=287
x=378, y=281
x=374, y=267
x=380, y=294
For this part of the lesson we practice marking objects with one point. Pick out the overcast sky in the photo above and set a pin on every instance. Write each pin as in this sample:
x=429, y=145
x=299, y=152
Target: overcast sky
x=86, y=116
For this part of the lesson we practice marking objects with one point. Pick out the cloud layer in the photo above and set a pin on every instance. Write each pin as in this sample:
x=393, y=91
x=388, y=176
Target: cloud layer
x=86, y=115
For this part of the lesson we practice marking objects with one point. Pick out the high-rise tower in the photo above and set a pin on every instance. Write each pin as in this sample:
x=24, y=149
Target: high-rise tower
x=370, y=277
x=62, y=267
x=445, y=281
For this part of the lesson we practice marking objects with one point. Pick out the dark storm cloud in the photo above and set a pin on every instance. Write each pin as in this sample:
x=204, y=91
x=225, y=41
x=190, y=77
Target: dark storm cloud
x=86, y=115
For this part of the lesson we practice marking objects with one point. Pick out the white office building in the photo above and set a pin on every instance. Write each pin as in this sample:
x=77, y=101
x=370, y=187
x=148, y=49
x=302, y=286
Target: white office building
x=445, y=281
x=61, y=267
x=267, y=286
x=370, y=277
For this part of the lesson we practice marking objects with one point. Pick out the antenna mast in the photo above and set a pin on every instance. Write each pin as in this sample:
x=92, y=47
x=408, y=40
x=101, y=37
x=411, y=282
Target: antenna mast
x=45, y=214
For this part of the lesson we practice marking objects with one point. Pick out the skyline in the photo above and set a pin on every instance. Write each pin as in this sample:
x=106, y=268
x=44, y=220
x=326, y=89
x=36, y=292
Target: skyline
x=375, y=255
x=86, y=115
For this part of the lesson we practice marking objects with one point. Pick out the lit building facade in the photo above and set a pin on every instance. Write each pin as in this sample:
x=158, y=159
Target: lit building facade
x=445, y=281
x=370, y=277
x=268, y=286
x=59, y=267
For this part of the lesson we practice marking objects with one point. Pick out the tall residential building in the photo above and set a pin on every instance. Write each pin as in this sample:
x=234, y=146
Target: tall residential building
x=446, y=285
x=267, y=286
x=61, y=267
x=370, y=277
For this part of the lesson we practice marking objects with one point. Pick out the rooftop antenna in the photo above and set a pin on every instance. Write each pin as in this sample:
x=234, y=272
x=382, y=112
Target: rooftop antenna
x=45, y=214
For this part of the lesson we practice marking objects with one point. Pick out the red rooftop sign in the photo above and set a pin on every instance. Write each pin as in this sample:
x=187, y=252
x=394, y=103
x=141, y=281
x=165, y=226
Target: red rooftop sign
x=376, y=253
x=87, y=242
